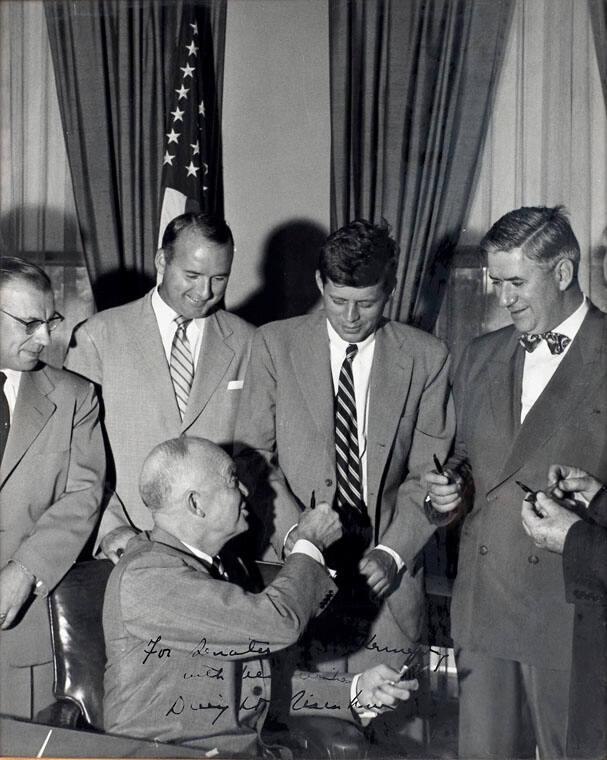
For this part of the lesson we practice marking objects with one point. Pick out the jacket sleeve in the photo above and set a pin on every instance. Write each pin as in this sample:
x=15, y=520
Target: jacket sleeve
x=585, y=558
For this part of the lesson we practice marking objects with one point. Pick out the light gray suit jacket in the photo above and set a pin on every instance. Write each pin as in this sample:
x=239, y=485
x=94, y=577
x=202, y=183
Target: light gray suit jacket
x=286, y=423
x=121, y=350
x=51, y=483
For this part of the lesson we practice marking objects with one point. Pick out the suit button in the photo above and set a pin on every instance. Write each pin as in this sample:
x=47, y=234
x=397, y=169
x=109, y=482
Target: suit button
x=257, y=690
x=533, y=559
x=483, y=549
x=328, y=482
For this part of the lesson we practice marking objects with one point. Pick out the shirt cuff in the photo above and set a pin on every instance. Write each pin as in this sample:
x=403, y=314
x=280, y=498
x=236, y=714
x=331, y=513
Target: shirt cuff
x=287, y=534
x=395, y=556
x=303, y=546
x=362, y=712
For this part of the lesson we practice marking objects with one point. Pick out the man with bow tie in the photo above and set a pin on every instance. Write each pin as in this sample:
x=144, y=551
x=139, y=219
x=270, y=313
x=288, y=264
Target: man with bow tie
x=527, y=395
x=188, y=643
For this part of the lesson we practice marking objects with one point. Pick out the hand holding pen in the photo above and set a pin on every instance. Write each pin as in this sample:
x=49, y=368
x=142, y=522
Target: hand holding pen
x=444, y=488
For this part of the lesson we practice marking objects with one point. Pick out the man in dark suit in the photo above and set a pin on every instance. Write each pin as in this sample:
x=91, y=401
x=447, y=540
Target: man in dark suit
x=347, y=407
x=51, y=482
x=580, y=535
x=188, y=648
x=526, y=396
x=170, y=363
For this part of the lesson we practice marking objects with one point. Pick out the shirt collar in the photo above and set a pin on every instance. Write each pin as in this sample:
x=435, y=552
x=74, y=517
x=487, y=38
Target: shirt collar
x=165, y=314
x=13, y=376
x=339, y=344
x=198, y=553
x=572, y=324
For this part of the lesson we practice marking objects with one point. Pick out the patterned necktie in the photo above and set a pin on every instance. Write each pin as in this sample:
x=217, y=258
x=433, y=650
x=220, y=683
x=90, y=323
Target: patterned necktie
x=557, y=342
x=218, y=571
x=347, y=460
x=5, y=416
x=181, y=365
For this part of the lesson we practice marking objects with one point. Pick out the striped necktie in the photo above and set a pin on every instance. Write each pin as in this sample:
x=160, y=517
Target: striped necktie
x=347, y=460
x=181, y=365
x=5, y=416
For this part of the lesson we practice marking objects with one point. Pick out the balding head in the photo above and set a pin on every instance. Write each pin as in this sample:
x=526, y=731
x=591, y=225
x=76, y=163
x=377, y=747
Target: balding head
x=190, y=486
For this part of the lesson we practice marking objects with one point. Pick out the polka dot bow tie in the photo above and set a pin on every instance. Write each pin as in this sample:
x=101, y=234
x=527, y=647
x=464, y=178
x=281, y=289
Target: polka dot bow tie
x=557, y=342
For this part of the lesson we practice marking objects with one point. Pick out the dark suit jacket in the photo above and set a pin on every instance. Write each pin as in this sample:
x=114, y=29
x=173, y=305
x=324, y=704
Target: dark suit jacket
x=585, y=571
x=286, y=419
x=509, y=596
x=51, y=482
x=207, y=683
x=121, y=351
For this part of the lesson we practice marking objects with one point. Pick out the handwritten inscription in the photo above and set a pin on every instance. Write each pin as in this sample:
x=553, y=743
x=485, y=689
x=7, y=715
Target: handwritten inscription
x=260, y=648
x=218, y=707
x=153, y=648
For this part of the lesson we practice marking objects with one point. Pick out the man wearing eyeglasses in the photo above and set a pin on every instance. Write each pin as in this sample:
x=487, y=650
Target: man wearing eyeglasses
x=52, y=468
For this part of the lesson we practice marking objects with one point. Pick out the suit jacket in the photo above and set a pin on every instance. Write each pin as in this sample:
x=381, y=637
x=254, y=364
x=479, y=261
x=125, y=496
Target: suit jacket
x=51, y=483
x=121, y=350
x=509, y=596
x=286, y=422
x=187, y=655
x=585, y=573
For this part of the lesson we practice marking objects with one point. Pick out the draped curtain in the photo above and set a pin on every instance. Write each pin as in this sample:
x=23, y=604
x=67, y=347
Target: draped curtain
x=113, y=66
x=598, y=14
x=547, y=137
x=412, y=85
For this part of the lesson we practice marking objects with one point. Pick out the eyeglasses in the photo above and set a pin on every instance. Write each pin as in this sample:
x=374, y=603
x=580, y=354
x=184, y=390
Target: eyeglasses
x=33, y=325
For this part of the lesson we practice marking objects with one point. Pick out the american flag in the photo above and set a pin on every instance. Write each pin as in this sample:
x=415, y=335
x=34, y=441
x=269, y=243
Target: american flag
x=190, y=161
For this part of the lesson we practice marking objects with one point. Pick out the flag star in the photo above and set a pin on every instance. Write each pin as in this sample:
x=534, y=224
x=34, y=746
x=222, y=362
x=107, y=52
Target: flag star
x=201, y=108
x=173, y=136
x=168, y=159
x=187, y=70
x=192, y=169
x=182, y=92
x=195, y=27
x=177, y=114
x=195, y=147
x=191, y=48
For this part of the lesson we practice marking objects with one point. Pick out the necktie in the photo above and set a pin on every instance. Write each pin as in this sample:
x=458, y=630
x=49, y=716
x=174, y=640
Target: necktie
x=218, y=571
x=181, y=365
x=347, y=460
x=557, y=342
x=5, y=416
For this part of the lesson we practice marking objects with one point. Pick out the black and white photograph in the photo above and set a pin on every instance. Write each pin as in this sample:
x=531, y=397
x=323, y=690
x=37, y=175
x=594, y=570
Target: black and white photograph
x=303, y=379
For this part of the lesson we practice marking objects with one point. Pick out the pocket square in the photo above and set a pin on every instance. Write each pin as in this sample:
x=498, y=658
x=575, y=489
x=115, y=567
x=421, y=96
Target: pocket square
x=235, y=385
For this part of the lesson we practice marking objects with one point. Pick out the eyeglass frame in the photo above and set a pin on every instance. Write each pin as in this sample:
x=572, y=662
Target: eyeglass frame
x=51, y=324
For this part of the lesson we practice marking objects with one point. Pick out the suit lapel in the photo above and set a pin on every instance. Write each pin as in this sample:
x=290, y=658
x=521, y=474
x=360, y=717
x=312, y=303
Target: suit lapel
x=214, y=358
x=312, y=364
x=146, y=344
x=567, y=388
x=388, y=395
x=33, y=410
x=503, y=377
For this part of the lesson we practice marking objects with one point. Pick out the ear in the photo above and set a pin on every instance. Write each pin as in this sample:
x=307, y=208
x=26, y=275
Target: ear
x=564, y=274
x=319, y=283
x=160, y=262
x=194, y=504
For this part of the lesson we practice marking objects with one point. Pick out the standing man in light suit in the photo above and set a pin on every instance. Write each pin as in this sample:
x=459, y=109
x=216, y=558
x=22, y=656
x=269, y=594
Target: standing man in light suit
x=52, y=467
x=169, y=363
x=346, y=407
x=527, y=395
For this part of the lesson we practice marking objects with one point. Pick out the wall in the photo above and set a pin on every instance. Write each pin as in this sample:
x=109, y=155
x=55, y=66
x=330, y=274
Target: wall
x=276, y=148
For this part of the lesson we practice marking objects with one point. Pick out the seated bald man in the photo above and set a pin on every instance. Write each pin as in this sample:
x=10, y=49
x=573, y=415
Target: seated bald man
x=187, y=648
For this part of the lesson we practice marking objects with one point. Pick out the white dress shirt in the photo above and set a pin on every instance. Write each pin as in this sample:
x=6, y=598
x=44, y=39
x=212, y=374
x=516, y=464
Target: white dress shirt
x=165, y=317
x=11, y=388
x=540, y=364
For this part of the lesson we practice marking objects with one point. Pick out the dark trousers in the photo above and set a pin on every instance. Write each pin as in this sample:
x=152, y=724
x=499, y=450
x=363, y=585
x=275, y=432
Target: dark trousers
x=507, y=708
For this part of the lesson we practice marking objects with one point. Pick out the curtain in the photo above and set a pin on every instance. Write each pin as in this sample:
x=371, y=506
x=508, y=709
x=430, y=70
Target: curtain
x=547, y=137
x=113, y=68
x=411, y=91
x=598, y=14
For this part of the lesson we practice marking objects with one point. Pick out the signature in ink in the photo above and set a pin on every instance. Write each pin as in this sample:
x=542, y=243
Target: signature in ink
x=153, y=648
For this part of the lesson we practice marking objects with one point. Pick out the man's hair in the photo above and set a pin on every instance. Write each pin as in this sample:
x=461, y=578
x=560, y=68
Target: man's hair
x=543, y=234
x=13, y=269
x=359, y=255
x=212, y=228
x=168, y=464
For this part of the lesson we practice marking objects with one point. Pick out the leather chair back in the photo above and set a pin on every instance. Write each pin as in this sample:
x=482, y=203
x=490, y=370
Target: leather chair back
x=75, y=609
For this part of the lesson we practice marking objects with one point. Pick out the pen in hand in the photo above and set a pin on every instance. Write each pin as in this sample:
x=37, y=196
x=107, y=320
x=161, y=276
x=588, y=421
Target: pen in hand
x=313, y=500
x=439, y=468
